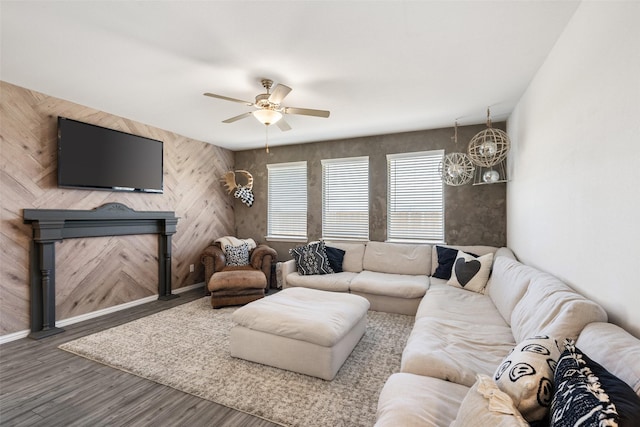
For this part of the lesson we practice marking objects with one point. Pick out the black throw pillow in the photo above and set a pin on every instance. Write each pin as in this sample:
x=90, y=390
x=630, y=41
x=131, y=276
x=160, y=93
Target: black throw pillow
x=446, y=258
x=336, y=256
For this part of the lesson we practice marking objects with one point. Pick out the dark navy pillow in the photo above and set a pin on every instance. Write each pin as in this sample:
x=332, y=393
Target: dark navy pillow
x=446, y=258
x=336, y=256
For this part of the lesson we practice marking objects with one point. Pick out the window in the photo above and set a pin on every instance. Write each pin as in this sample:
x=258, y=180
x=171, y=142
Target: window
x=287, y=204
x=415, y=200
x=345, y=198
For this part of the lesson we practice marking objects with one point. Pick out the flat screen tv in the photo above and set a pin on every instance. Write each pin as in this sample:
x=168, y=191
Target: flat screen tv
x=97, y=158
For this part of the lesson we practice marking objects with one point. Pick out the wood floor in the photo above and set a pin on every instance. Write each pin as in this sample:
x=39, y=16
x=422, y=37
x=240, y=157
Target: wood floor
x=41, y=385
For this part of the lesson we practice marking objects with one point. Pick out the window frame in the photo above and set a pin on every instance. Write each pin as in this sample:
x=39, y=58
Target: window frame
x=409, y=164
x=295, y=176
x=334, y=173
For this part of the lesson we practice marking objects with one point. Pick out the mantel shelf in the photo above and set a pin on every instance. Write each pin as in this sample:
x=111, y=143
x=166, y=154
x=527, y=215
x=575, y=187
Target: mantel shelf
x=112, y=219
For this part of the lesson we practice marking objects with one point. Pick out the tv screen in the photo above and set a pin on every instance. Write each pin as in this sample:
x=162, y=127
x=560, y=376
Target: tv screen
x=97, y=158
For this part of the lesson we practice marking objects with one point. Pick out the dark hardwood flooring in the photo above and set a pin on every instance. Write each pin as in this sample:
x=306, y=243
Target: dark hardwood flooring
x=41, y=385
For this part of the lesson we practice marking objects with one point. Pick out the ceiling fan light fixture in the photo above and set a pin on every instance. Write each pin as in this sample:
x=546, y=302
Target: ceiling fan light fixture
x=267, y=117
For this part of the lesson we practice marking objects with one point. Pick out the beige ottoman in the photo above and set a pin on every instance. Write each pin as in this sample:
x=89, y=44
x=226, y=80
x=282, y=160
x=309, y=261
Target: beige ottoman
x=302, y=330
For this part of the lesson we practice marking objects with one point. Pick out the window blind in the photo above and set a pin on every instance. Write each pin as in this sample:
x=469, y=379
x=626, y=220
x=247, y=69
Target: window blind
x=287, y=204
x=345, y=198
x=415, y=197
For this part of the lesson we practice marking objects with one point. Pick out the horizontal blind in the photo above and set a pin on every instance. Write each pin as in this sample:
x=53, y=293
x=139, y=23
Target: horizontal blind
x=415, y=199
x=287, y=205
x=345, y=198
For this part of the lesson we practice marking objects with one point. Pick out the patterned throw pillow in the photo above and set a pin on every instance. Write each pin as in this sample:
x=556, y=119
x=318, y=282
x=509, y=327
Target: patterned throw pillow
x=526, y=375
x=588, y=394
x=470, y=272
x=237, y=255
x=311, y=259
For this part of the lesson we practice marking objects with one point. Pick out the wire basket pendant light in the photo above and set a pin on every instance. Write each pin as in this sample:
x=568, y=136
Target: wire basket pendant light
x=490, y=146
x=456, y=168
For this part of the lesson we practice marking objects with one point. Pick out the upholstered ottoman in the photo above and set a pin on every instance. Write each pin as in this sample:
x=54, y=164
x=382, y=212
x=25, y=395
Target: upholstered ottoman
x=303, y=330
x=236, y=287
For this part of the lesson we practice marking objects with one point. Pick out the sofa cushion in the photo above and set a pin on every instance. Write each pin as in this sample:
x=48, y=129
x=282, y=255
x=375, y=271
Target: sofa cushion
x=446, y=302
x=311, y=259
x=354, y=252
x=455, y=350
x=397, y=258
x=550, y=307
x=615, y=349
x=414, y=400
x=471, y=273
x=509, y=282
x=486, y=405
x=474, y=249
x=338, y=282
x=526, y=375
x=393, y=285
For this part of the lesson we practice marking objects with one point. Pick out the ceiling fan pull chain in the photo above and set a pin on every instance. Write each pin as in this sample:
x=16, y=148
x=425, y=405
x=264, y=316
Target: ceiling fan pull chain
x=266, y=134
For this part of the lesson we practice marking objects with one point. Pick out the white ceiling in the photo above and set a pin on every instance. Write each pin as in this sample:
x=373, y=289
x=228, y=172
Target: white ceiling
x=378, y=66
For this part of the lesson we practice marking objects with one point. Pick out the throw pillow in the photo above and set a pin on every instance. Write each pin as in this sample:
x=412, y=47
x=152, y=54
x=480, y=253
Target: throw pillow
x=336, y=256
x=237, y=255
x=311, y=259
x=526, y=374
x=486, y=405
x=587, y=392
x=446, y=258
x=470, y=272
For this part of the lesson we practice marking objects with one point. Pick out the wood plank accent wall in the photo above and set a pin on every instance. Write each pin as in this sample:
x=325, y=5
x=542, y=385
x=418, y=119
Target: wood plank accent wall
x=97, y=273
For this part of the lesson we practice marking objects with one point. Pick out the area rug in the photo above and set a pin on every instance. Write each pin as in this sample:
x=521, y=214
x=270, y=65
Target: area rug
x=186, y=348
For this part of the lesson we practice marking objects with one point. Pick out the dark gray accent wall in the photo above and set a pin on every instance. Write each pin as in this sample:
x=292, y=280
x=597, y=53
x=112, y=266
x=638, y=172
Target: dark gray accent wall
x=473, y=214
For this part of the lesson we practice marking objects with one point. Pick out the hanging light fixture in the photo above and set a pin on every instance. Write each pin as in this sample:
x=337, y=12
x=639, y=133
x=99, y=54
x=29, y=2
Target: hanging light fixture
x=267, y=116
x=490, y=146
x=456, y=168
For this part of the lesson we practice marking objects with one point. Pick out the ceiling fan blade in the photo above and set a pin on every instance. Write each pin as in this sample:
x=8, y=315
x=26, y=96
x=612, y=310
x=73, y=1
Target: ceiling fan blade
x=283, y=125
x=236, y=118
x=279, y=93
x=226, y=98
x=306, y=112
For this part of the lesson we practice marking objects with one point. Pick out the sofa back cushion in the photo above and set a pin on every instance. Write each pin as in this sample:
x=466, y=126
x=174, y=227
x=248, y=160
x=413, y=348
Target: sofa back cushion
x=353, y=255
x=398, y=258
x=509, y=282
x=476, y=250
x=615, y=349
x=550, y=307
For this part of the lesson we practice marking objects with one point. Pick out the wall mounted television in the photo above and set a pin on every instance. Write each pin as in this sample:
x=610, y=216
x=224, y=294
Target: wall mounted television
x=96, y=158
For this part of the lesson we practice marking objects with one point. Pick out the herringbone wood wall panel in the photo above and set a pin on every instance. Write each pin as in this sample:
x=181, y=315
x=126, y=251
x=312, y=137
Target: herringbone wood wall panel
x=96, y=273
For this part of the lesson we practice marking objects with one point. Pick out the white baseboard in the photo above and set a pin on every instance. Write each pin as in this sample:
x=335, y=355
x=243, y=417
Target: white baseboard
x=76, y=319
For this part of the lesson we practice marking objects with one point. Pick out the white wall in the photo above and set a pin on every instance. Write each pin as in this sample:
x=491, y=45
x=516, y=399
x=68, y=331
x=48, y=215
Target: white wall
x=573, y=203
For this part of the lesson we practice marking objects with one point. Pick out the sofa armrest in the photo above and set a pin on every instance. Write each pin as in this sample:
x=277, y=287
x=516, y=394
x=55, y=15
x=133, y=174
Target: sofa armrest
x=287, y=268
x=213, y=260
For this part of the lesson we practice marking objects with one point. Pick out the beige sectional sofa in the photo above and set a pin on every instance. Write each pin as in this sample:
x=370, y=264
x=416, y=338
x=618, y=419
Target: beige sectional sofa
x=460, y=337
x=394, y=277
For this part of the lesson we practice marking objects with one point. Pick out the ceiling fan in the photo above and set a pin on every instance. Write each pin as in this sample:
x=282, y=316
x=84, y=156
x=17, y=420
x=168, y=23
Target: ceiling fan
x=269, y=110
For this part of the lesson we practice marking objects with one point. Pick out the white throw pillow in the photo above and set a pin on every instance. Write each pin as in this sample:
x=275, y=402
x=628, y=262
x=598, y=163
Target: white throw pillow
x=486, y=405
x=526, y=375
x=471, y=273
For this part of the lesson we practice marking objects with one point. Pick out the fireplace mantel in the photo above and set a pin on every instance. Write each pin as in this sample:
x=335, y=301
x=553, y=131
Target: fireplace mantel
x=112, y=219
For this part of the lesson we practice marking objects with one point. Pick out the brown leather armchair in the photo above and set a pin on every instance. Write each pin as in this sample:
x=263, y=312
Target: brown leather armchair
x=237, y=284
